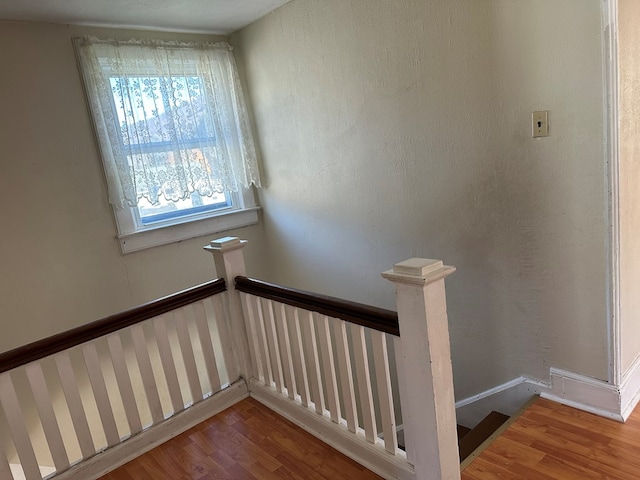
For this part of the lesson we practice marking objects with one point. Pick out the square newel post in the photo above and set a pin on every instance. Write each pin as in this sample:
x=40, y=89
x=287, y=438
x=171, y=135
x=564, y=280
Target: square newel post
x=229, y=262
x=425, y=376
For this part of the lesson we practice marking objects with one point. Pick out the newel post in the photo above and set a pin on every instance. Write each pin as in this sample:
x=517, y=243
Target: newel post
x=229, y=262
x=425, y=376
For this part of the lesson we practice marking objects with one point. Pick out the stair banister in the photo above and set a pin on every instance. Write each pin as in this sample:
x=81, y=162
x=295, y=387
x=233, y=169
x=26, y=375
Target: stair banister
x=229, y=263
x=422, y=351
x=425, y=377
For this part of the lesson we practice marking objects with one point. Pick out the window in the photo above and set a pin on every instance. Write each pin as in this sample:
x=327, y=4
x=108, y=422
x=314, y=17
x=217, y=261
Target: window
x=174, y=137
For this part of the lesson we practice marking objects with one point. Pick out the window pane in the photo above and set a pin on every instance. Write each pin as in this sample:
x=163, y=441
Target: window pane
x=160, y=109
x=168, y=210
x=169, y=144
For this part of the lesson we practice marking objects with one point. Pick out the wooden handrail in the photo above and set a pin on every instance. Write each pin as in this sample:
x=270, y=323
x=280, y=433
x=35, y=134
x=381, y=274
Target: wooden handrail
x=90, y=331
x=367, y=316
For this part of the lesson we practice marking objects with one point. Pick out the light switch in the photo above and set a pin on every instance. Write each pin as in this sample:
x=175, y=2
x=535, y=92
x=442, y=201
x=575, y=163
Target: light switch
x=540, y=124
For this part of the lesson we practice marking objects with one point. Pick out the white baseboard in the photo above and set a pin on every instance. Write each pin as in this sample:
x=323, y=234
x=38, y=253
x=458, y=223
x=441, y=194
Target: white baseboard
x=336, y=435
x=584, y=393
x=506, y=398
x=630, y=389
x=578, y=391
x=112, y=458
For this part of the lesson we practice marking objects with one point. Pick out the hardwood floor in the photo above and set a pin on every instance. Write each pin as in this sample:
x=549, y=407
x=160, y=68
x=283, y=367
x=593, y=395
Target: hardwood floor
x=250, y=442
x=245, y=442
x=552, y=441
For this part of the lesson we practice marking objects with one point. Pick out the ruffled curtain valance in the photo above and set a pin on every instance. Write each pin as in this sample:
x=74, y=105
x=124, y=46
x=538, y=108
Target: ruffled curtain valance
x=170, y=118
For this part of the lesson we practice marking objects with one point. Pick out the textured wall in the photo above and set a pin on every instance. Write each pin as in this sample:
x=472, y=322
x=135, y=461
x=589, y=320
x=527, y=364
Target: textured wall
x=629, y=57
x=61, y=264
x=392, y=129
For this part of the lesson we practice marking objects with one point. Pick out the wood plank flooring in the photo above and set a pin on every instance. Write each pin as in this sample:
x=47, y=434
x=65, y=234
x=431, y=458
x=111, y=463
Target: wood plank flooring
x=552, y=441
x=245, y=442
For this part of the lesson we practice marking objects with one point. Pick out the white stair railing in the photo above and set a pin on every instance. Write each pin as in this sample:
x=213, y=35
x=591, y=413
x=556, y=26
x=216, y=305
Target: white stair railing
x=319, y=362
x=109, y=381
x=325, y=364
x=81, y=403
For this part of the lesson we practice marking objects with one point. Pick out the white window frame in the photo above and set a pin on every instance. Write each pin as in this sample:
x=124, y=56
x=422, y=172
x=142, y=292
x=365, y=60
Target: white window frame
x=133, y=236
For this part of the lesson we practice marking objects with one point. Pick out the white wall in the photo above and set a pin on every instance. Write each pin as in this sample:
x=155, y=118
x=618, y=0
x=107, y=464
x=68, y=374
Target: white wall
x=61, y=265
x=629, y=193
x=392, y=129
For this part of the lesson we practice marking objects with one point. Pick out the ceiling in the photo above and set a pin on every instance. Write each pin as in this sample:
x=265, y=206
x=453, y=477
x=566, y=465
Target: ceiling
x=202, y=16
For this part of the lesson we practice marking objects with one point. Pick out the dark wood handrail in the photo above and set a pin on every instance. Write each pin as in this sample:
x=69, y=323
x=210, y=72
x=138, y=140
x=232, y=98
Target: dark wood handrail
x=372, y=317
x=84, y=333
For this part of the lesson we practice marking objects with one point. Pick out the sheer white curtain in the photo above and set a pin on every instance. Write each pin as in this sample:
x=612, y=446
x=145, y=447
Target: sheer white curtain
x=170, y=118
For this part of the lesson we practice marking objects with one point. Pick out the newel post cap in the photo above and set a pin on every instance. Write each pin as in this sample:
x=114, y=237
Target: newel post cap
x=225, y=244
x=418, y=271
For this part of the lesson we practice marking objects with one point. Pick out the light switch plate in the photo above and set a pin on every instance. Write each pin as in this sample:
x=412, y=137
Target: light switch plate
x=540, y=124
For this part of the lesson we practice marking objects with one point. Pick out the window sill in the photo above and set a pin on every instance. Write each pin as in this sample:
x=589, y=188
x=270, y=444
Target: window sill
x=153, y=237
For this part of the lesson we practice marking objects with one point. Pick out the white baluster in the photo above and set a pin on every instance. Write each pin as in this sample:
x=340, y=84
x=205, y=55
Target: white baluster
x=364, y=382
x=47, y=415
x=328, y=366
x=189, y=359
x=383, y=382
x=146, y=373
x=17, y=426
x=285, y=345
x=204, y=335
x=272, y=342
x=297, y=354
x=262, y=340
x=96, y=378
x=311, y=350
x=168, y=364
x=346, y=374
x=74, y=402
x=123, y=379
x=224, y=337
x=254, y=341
